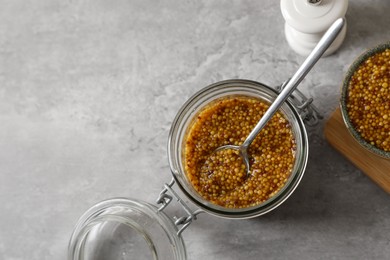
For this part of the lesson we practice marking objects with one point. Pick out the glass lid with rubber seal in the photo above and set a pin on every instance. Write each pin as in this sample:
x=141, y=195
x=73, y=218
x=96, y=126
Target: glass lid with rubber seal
x=124, y=228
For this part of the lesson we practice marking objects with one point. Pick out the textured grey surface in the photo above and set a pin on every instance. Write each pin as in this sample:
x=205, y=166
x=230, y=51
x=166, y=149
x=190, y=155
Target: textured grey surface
x=88, y=90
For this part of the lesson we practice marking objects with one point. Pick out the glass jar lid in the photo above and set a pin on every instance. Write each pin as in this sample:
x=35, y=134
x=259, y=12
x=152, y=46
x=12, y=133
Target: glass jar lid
x=124, y=228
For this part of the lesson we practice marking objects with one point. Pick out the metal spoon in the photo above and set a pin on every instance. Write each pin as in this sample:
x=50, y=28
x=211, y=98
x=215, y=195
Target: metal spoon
x=292, y=84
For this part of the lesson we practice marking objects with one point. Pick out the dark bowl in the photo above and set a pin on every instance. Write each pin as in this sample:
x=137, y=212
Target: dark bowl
x=344, y=93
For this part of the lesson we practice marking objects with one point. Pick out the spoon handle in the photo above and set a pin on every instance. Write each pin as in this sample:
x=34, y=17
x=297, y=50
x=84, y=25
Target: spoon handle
x=299, y=75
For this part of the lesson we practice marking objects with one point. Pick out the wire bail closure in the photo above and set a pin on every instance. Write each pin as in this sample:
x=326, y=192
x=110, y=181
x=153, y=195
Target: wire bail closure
x=164, y=199
x=308, y=111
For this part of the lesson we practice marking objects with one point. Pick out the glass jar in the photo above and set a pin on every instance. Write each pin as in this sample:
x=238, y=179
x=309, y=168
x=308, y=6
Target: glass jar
x=198, y=101
x=121, y=228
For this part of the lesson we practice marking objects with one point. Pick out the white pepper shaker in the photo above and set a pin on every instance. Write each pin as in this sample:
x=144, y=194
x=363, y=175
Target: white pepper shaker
x=307, y=20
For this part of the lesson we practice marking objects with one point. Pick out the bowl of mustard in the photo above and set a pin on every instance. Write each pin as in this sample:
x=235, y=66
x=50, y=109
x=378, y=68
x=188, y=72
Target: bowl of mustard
x=365, y=100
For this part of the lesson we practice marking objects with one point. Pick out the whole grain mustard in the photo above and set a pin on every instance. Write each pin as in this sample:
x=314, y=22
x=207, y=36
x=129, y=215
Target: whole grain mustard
x=220, y=177
x=368, y=100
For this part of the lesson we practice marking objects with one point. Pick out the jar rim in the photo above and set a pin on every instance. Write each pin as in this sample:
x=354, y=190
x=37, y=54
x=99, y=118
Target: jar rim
x=190, y=107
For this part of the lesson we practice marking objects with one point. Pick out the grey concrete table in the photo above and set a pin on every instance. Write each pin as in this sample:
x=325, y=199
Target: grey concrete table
x=88, y=90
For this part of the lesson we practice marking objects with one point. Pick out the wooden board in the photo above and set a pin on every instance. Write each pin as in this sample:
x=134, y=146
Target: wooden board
x=375, y=167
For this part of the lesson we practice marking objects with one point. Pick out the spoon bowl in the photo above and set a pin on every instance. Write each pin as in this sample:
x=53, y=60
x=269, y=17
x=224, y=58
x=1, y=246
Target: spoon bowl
x=242, y=151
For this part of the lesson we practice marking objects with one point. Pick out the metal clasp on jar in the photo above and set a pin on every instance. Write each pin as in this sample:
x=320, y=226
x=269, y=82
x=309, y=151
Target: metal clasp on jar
x=166, y=196
x=308, y=111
